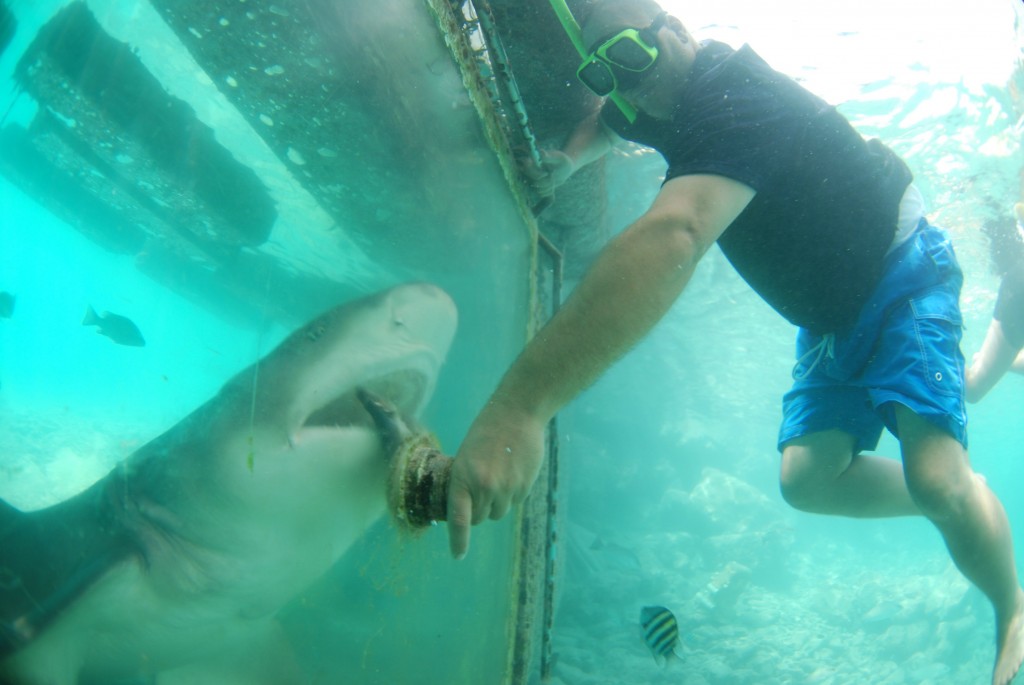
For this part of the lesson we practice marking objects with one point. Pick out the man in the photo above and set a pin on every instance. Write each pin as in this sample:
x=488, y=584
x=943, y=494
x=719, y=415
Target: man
x=828, y=229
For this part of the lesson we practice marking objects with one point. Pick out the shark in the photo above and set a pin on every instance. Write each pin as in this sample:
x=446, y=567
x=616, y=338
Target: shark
x=172, y=568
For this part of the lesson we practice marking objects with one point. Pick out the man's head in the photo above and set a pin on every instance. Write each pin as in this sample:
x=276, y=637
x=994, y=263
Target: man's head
x=661, y=46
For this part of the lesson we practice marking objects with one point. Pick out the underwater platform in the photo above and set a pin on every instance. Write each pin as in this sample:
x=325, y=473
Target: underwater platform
x=331, y=147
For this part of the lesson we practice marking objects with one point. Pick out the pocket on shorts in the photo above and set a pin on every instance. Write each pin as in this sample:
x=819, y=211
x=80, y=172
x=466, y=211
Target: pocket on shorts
x=938, y=327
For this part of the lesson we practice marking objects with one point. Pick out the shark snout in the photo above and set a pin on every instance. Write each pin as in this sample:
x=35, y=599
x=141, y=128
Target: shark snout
x=427, y=313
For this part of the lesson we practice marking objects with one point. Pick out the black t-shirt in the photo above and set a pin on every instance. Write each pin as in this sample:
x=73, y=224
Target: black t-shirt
x=812, y=240
x=1010, y=307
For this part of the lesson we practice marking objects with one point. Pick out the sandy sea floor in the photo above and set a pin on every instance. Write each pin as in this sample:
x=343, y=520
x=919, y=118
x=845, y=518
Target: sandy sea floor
x=51, y=455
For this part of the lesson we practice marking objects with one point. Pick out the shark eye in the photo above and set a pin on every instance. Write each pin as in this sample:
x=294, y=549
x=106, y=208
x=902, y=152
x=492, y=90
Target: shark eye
x=316, y=331
x=398, y=322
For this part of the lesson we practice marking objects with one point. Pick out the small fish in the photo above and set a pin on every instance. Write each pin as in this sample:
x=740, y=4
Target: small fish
x=120, y=329
x=6, y=304
x=660, y=631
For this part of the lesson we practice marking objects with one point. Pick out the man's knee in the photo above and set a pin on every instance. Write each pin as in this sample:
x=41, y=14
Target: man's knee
x=810, y=466
x=940, y=492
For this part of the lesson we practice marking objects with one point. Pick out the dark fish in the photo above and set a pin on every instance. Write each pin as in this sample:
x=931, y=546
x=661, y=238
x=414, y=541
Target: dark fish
x=120, y=329
x=6, y=304
x=660, y=631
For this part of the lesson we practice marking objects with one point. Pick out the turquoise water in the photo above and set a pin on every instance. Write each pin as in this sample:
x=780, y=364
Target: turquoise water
x=670, y=485
x=676, y=444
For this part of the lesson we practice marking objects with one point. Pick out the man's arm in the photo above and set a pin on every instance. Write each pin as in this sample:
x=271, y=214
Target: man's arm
x=631, y=285
x=994, y=359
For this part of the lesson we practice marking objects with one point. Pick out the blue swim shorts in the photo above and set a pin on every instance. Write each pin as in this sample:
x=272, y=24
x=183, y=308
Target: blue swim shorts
x=904, y=348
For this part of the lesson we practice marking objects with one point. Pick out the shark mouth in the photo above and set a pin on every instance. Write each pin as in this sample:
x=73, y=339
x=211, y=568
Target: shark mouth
x=406, y=390
x=393, y=347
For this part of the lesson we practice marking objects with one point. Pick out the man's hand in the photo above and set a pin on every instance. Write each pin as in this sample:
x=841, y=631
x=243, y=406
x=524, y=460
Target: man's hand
x=494, y=469
x=555, y=169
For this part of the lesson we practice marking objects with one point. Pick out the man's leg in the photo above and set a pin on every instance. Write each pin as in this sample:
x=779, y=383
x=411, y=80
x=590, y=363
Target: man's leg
x=822, y=475
x=973, y=524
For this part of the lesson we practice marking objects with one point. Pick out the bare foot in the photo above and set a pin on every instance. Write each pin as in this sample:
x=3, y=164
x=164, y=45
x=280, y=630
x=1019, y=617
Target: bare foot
x=1010, y=646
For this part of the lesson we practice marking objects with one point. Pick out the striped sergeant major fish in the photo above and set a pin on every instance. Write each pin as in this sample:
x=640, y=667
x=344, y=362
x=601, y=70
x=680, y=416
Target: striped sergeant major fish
x=660, y=632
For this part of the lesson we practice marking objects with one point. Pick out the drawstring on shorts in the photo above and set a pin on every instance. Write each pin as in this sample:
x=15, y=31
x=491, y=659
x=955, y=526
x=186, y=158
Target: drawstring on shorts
x=826, y=347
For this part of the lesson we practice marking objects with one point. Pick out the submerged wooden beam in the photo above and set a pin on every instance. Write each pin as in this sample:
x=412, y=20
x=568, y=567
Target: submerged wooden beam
x=8, y=24
x=103, y=113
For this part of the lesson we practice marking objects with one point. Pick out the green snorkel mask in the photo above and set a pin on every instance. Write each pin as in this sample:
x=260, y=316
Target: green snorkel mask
x=594, y=62
x=620, y=61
